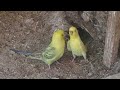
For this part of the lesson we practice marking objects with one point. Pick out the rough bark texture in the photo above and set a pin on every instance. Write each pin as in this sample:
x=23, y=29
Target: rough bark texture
x=112, y=38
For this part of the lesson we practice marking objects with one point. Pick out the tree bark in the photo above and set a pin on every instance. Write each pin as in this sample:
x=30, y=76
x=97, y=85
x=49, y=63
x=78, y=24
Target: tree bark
x=112, y=38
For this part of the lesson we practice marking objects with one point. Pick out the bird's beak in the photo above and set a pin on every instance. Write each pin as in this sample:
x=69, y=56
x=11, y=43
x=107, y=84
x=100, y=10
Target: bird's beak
x=71, y=32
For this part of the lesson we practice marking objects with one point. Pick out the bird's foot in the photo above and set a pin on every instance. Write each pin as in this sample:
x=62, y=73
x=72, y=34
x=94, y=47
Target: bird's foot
x=49, y=67
x=73, y=58
x=58, y=62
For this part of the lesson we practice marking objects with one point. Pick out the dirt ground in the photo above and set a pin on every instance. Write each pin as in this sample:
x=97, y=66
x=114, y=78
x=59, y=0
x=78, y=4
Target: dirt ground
x=31, y=31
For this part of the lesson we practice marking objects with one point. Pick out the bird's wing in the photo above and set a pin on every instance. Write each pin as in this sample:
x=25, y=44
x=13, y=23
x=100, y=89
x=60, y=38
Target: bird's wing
x=37, y=56
x=68, y=46
x=49, y=53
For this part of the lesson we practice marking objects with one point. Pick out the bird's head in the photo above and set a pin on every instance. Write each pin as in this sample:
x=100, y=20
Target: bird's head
x=73, y=31
x=59, y=33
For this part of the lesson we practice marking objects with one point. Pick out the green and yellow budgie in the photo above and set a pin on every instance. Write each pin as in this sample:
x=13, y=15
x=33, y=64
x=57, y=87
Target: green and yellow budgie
x=75, y=44
x=52, y=53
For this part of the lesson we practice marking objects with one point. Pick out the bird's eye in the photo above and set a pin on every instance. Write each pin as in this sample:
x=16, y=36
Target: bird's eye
x=71, y=32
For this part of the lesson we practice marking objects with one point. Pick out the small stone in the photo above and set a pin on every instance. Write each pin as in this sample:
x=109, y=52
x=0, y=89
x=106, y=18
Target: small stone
x=89, y=74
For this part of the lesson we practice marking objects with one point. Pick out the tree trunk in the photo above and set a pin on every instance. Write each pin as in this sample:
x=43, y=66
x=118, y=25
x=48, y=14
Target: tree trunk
x=112, y=38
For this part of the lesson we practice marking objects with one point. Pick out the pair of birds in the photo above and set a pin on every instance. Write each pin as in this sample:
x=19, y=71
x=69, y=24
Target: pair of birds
x=55, y=50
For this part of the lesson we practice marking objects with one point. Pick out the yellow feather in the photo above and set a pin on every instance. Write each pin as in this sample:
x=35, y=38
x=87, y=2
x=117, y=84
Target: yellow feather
x=68, y=46
x=77, y=46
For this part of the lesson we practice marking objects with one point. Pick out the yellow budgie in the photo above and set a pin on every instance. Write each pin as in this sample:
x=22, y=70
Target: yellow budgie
x=52, y=53
x=75, y=44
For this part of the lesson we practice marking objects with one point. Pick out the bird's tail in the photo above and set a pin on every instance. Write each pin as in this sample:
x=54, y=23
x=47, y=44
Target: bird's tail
x=21, y=52
x=28, y=54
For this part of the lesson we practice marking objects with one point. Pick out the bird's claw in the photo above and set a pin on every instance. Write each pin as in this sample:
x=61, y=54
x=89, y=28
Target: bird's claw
x=58, y=62
x=73, y=60
x=49, y=67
